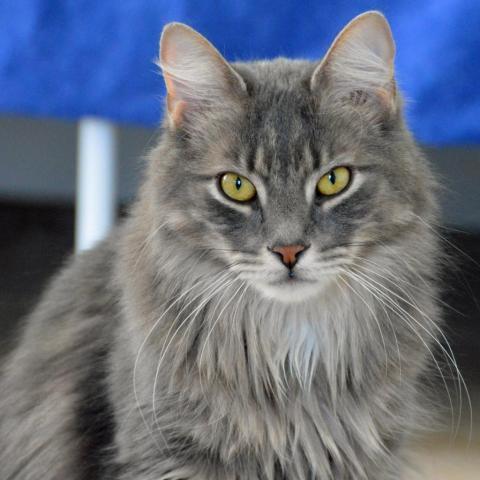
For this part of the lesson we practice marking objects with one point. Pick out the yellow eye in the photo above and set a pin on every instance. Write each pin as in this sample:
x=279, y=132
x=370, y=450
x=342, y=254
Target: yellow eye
x=334, y=181
x=237, y=188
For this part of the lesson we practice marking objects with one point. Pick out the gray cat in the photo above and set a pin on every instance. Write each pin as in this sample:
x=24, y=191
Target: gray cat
x=267, y=310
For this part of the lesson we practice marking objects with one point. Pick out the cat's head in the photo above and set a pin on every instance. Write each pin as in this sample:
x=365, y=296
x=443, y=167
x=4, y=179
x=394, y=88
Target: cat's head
x=286, y=171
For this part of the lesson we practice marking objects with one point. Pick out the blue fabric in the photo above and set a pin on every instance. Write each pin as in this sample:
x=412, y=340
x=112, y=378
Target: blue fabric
x=68, y=58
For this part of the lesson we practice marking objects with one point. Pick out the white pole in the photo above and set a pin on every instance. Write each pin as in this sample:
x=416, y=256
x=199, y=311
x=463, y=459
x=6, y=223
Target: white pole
x=96, y=181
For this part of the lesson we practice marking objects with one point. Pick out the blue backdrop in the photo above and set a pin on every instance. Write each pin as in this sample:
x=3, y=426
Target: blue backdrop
x=68, y=58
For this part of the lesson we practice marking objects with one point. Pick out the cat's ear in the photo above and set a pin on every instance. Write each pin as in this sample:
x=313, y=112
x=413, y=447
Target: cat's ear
x=358, y=67
x=197, y=77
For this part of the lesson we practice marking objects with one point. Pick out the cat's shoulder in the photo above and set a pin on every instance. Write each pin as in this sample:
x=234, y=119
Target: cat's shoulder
x=75, y=311
x=59, y=364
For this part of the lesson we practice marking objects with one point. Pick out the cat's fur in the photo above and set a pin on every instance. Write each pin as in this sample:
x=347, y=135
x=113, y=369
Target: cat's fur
x=180, y=349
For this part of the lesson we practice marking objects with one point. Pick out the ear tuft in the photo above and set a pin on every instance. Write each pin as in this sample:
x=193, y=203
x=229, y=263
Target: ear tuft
x=359, y=64
x=196, y=75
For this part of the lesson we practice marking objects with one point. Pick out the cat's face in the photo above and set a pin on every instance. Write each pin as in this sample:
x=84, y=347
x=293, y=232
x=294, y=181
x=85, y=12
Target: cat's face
x=286, y=175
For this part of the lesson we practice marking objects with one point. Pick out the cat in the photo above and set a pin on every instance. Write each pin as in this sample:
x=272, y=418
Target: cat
x=268, y=308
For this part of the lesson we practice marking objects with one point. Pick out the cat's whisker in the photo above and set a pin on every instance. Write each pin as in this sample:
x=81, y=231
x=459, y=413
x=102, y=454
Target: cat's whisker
x=240, y=267
x=235, y=325
x=434, y=230
x=374, y=316
x=148, y=239
x=210, y=292
x=413, y=269
x=346, y=246
x=142, y=345
x=451, y=358
x=413, y=304
x=156, y=399
x=215, y=286
x=393, y=279
x=232, y=250
x=430, y=334
x=395, y=309
x=135, y=367
x=382, y=294
x=332, y=264
x=189, y=327
x=205, y=320
x=219, y=316
x=445, y=240
x=392, y=327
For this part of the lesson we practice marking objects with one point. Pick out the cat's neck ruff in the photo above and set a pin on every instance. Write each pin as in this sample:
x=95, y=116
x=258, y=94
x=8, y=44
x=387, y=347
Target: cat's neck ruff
x=286, y=341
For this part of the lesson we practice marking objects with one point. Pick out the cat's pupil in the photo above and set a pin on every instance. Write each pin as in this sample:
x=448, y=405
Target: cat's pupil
x=332, y=178
x=238, y=183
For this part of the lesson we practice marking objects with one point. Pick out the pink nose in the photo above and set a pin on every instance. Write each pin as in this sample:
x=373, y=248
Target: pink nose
x=289, y=254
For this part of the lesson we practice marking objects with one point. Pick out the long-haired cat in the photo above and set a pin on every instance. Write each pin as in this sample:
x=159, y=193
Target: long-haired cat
x=267, y=309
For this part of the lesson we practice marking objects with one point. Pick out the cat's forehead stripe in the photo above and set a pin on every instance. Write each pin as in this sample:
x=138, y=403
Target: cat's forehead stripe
x=259, y=161
x=291, y=163
x=280, y=146
x=308, y=157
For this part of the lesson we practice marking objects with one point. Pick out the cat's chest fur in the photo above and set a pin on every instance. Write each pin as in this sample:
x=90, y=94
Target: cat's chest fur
x=256, y=390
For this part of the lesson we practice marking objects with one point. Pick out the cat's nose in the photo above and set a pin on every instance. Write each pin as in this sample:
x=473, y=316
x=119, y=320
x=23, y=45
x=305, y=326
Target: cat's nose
x=289, y=254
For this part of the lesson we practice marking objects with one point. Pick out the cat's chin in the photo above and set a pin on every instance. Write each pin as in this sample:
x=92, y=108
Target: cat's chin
x=293, y=290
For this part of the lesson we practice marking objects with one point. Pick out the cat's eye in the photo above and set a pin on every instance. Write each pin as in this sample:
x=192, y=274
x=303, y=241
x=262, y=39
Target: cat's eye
x=237, y=188
x=335, y=181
